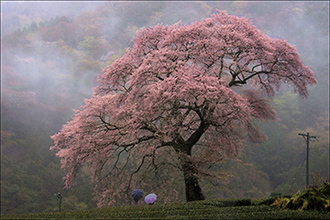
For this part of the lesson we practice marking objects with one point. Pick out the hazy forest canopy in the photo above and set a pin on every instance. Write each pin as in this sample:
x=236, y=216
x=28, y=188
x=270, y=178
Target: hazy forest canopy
x=52, y=53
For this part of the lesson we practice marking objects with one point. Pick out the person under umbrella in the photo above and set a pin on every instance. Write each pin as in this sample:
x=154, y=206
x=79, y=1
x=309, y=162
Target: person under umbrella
x=150, y=199
x=137, y=194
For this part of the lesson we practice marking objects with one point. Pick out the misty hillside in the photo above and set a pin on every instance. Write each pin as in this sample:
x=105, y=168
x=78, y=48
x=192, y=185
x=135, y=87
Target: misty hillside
x=52, y=53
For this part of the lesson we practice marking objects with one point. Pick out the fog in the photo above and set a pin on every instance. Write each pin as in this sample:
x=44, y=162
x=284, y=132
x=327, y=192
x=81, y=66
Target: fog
x=41, y=10
x=49, y=69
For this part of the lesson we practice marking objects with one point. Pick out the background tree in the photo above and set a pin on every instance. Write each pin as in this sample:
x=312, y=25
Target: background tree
x=174, y=100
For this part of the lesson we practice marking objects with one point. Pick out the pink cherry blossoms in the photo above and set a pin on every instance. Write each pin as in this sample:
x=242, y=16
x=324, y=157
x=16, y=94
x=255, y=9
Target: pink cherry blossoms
x=173, y=103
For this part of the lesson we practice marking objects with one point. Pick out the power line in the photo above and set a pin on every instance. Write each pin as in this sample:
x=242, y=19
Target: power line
x=307, y=138
x=294, y=178
x=328, y=157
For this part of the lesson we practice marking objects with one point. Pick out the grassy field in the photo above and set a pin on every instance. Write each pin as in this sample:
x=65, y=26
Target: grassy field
x=208, y=209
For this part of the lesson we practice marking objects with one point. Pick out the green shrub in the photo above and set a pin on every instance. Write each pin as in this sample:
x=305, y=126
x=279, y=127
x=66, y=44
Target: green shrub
x=228, y=202
x=266, y=201
x=312, y=199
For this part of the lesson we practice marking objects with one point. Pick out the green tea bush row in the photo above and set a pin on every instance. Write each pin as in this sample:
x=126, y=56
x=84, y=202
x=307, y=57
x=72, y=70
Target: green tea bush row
x=207, y=209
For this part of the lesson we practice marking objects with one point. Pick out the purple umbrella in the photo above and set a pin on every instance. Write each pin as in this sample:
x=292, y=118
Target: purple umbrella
x=137, y=194
x=150, y=199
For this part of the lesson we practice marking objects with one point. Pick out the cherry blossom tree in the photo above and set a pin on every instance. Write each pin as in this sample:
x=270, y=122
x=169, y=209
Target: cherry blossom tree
x=183, y=98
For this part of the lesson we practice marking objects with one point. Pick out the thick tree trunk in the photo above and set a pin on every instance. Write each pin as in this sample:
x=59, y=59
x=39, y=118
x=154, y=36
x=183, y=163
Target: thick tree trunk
x=192, y=188
x=193, y=191
x=183, y=148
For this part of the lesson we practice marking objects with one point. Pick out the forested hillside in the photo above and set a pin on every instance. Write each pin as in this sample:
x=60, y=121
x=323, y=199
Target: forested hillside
x=53, y=52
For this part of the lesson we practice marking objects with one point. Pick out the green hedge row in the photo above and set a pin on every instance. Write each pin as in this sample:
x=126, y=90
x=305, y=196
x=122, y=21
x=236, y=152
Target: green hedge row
x=208, y=209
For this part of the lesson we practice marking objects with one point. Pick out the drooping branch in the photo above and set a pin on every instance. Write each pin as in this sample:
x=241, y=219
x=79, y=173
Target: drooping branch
x=136, y=171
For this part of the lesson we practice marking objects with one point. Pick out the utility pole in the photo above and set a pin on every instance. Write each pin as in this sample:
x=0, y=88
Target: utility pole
x=307, y=138
x=59, y=196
